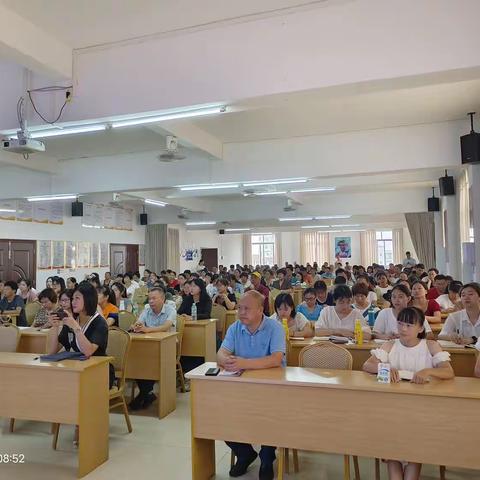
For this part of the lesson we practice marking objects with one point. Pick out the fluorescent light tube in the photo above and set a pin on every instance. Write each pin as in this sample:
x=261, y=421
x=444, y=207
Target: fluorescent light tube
x=316, y=226
x=48, y=198
x=267, y=193
x=7, y=210
x=331, y=217
x=199, y=223
x=299, y=219
x=342, y=226
x=197, y=112
x=157, y=203
x=237, y=229
x=320, y=189
x=67, y=131
x=186, y=188
x=274, y=182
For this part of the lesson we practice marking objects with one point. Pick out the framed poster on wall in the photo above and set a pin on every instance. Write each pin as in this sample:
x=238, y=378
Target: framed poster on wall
x=343, y=247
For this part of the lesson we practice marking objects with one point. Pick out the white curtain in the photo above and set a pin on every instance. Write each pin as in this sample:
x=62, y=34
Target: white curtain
x=156, y=247
x=368, y=247
x=314, y=247
x=247, y=249
x=464, y=198
x=397, y=244
x=277, y=250
x=173, y=249
x=422, y=230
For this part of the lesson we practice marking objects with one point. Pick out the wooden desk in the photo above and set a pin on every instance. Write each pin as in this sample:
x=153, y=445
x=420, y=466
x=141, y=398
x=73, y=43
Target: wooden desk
x=153, y=357
x=33, y=340
x=12, y=315
x=231, y=318
x=335, y=415
x=463, y=359
x=199, y=339
x=69, y=392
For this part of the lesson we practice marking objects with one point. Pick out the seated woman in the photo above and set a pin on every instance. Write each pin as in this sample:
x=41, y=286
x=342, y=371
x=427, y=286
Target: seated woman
x=106, y=301
x=430, y=308
x=340, y=319
x=48, y=299
x=298, y=325
x=463, y=327
x=85, y=331
x=71, y=283
x=121, y=300
x=324, y=297
x=383, y=290
x=422, y=358
x=369, y=283
x=386, y=323
x=450, y=301
x=360, y=300
x=65, y=301
x=198, y=295
x=26, y=291
x=224, y=297
x=309, y=308
x=58, y=284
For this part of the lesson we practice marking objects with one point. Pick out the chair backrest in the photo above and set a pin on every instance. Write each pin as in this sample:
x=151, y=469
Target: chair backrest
x=31, y=309
x=325, y=355
x=220, y=313
x=180, y=329
x=126, y=319
x=274, y=292
x=9, y=337
x=118, y=347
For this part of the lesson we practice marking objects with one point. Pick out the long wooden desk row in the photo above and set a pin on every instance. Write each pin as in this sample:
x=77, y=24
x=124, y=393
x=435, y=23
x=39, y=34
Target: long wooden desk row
x=335, y=411
x=463, y=359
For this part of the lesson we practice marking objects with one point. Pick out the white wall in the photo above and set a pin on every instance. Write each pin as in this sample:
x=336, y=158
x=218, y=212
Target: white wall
x=70, y=230
x=290, y=247
x=408, y=244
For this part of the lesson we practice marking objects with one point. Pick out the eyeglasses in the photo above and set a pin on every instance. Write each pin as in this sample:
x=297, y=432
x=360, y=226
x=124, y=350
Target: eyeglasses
x=405, y=325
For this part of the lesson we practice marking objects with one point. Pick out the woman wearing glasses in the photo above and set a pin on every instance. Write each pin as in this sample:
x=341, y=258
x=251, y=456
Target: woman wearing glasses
x=309, y=308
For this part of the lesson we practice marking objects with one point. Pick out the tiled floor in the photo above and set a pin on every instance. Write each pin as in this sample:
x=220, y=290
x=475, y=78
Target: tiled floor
x=155, y=450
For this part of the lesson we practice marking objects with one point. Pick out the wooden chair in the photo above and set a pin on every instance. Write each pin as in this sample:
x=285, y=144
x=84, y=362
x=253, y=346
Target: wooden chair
x=9, y=337
x=126, y=319
x=31, y=309
x=271, y=298
x=179, y=369
x=118, y=347
x=220, y=313
x=332, y=357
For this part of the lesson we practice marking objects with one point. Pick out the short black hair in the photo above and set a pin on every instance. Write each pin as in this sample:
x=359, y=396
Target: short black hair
x=340, y=280
x=413, y=316
x=320, y=286
x=455, y=287
x=27, y=281
x=13, y=285
x=48, y=293
x=473, y=285
x=108, y=293
x=90, y=297
x=342, y=291
x=285, y=299
x=158, y=289
x=360, y=289
x=308, y=291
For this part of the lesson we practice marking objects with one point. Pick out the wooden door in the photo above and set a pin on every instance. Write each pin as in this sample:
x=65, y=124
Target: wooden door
x=132, y=258
x=210, y=257
x=18, y=260
x=123, y=258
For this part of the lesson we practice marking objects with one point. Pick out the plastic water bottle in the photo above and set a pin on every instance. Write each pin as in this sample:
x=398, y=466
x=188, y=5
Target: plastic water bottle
x=285, y=327
x=194, y=311
x=371, y=316
x=358, y=332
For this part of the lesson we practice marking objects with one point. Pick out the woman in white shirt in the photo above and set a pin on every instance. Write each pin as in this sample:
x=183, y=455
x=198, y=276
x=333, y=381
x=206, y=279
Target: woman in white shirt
x=386, y=323
x=298, y=325
x=382, y=288
x=450, y=301
x=463, y=327
x=365, y=280
x=421, y=358
x=340, y=319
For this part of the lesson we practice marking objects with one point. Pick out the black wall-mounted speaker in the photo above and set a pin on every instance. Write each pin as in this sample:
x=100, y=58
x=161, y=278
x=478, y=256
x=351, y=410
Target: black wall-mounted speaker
x=221, y=231
x=447, y=185
x=143, y=219
x=433, y=204
x=77, y=209
x=470, y=144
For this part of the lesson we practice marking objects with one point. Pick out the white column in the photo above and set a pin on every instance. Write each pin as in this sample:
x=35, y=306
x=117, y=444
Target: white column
x=439, y=246
x=474, y=177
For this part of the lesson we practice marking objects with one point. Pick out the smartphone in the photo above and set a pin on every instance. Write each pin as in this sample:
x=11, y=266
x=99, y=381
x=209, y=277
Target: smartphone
x=61, y=314
x=212, y=372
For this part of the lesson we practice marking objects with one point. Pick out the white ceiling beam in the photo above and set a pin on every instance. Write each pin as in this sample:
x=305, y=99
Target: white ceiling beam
x=34, y=163
x=192, y=136
x=23, y=42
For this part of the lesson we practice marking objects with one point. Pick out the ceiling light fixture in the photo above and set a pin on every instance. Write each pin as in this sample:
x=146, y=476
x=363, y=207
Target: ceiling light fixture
x=298, y=219
x=212, y=186
x=315, y=226
x=191, y=224
x=157, y=203
x=193, y=112
x=67, y=131
x=343, y=226
x=7, y=210
x=274, y=182
x=49, y=198
x=320, y=189
x=332, y=217
x=265, y=193
x=237, y=229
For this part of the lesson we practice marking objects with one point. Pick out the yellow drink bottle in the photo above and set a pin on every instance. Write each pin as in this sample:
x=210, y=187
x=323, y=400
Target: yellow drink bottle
x=358, y=332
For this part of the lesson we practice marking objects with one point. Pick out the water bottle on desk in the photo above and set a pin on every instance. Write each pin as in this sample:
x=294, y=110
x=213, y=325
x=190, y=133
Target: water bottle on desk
x=371, y=316
x=285, y=328
x=358, y=332
x=194, y=311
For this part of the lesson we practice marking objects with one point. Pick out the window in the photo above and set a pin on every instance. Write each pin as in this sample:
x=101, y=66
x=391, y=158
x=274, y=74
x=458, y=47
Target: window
x=263, y=249
x=385, y=247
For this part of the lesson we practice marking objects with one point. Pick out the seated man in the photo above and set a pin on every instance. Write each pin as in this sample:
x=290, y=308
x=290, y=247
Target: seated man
x=13, y=304
x=252, y=342
x=157, y=316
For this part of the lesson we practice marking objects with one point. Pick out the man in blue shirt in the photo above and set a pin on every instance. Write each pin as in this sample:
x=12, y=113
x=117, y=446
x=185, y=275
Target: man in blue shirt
x=252, y=342
x=156, y=317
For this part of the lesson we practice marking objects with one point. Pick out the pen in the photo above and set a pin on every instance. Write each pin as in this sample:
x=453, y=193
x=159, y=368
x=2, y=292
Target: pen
x=36, y=358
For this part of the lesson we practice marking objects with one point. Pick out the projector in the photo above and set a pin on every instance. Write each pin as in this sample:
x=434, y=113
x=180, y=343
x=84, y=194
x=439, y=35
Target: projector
x=23, y=145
